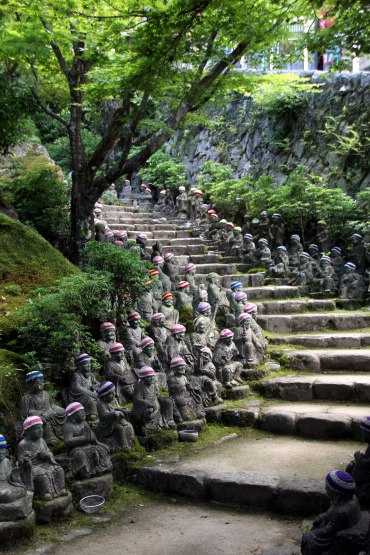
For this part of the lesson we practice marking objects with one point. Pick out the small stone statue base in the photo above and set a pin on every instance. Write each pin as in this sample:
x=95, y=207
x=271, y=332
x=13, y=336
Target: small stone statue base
x=13, y=531
x=238, y=392
x=100, y=485
x=48, y=511
x=194, y=425
x=158, y=440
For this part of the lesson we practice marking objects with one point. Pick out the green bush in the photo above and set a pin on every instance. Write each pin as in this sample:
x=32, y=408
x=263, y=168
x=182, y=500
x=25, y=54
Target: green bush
x=164, y=170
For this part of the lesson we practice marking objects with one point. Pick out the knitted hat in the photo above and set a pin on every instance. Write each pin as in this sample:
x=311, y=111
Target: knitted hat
x=209, y=212
x=182, y=188
x=224, y=334
x=133, y=316
x=166, y=295
x=98, y=205
x=248, y=236
x=33, y=376
x=206, y=350
x=243, y=316
x=82, y=357
x=189, y=267
x=304, y=255
x=145, y=371
x=203, y=293
x=153, y=273
x=116, y=348
x=296, y=237
x=214, y=216
x=350, y=265
x=122, y=234
x=240, y=296
x=250, y=307
x=237, y=228
x=105, y=387
x=235, y=285
x=357, y=236
x=118, y=243
x=276, y=215
x=263, y=241
x=31, y=421
x=107, y=326
x=230, y=225
x=145, y=342
x=203, y=307
x=163, y=192
x=3, y=443
x=198, y=192
x=365, y=424
x=281, y=248
x=313, y=247
x=212, y=275
x=143, y=236
x=341, y=482
x=336, y=250
x=183, y=284
x=157, y=316
x=167, y=256
x=158, y=260
x=264, y=214
x=177, y=328
x=73, y=407
x=325, y=258
x=116, y=232
x=178, y=361
x=223, y=221
x=108, y=233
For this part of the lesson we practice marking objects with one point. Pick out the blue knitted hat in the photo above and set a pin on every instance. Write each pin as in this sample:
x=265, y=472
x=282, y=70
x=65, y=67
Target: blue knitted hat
x=235, y=284
x=341, y=482
x=104, y=388
x=3, y=443
x=365, y=424
x=33, y=376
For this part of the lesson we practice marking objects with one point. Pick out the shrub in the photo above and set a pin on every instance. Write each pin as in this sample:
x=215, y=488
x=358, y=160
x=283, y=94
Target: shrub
x=164, y=170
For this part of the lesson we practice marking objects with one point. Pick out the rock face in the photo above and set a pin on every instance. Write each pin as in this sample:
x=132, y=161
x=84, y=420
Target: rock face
x=285, y=136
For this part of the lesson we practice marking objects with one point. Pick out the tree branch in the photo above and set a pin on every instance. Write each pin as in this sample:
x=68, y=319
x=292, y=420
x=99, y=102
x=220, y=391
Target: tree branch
x=57, y=51
x=44, y=108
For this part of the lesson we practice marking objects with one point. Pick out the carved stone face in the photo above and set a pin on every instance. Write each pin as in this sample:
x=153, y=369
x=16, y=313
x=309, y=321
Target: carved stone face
x=186, y=290
x=179, y=336
x=84, y=368
x=149, y=350
x=3, y=453
x=160, y=323
x=35, y=432
x=237, y=289
x=117, y=356
x=191, y=272
x=148, y=380
x=275, y=219
x=108, y=335
x=227, y=340
x=179, y=370
x=207, y=313
x=37, y=385
x=246, y=323
x=109, y=396
x=79, y=416
x=135, y=323
x=200, y=327
x=206, y=357
x=168, y=301
x=254, y=314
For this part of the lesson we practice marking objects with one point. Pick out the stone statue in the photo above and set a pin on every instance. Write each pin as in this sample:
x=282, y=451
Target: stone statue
x=313, y=251
x=276, y=231
x=323, y=236
x=163, y=278
x=343, y=529
x=171, y=270
x=142, y=240
x=302, y=274
x=281, y=267
x=156, y=250
x=357, y=253
x=205, y=371
x=177, y=345
x=205, y=310
x=186, y=395
x=145, y=302
x=157, y=290
x=190, y=270
x=337, y=262
x=89, y=457
x=113, y=428
x=200, y=296
x=236, y=242
x=295, y=248
x=198, y=339
x=39, y=470
x=151, y=411
x=15, y=501
x=132, y=336
x=119, y=373
x=38, y=402
x=352, y=284
x=359, y=467
x=83, y=386
x=158, y=331
x=170, y=313
x=325, y=281
x=182, y=203
x=249, y=250
x=264, y=225
x=251, y=351
x=225, y=359
x=147, y=357
x=107, y=337
x=251, y=308
x=263, y=253
x=216, y=295
x=183, y=296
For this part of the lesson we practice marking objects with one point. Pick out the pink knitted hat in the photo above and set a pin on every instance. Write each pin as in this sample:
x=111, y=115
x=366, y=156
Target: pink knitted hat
x=177, y=328
x=206, y=350
x=250, y=307
x=145, y=342
x=177, y=361
x=167, y=256
x=133, y=316
x=116, y=348
x=240, y=296
x=73, y=407
x=158, y=260
x=224, y=334
x=145, y=371
x=183, y=284
x=189, y=266
x=107, y=326
x=243, y=316
x=158, y=316
x=31, y=421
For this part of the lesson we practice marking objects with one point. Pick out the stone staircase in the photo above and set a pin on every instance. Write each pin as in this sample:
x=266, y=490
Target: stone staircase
x=321, y=391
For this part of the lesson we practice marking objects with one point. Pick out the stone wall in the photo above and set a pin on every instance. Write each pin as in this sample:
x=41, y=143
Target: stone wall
x=258, y=143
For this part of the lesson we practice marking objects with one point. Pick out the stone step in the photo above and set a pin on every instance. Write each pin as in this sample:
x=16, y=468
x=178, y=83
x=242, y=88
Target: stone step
x=294, y=306
x=325, y=360
x=147, y=228
x=204, y=258
x=272, y=292
x=292, y=323
x=177, y=249
x=324, y=340
x=204, y=269
x=343, y=387
x=157, y=235
x=129, y=210
x=139, y=221
x=278, y=474
x=248, y=280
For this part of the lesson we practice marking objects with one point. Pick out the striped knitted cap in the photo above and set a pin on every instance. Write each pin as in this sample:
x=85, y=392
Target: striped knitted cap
x=166, y=295
x=206, y=350
x=178, y=328
x=211, y=212
x=240, y=296
x=145, y=342
x=145, y=371
x=81, y=358
x=263, y=241
x=31, y=421
x=33, y=376
x=236, y=284
x=105, y=387
x=250, y=307
x=214, y=216
x=336, y=250
x=73, y=407
x=248, y=236
x=177, y=361
x=167, y=256
x=357, y=236
x=203, y=307
x=133, y=316
x=243, y=316
x=198, y=192
x=183, y=284
x=304, y=255
x=107, y=326
x=158, y=260
x=365, y=424
x=143, y=236
x=212, y=275
x=325, y=258
x=223, y=221
x=230, y=225
x=116, y=232
x=122, y=234
x=296, y=237
x=224, y=334
x=189, y=267
x=116, y=348
x=350, y=265
x=276, y=215
x=203, y=293
x=3, y=443
x=118, y=243
x=158, y=316
x=281, y=248
x=108, y=233
x=153, y=273
x=313, y=247
x=341, y=482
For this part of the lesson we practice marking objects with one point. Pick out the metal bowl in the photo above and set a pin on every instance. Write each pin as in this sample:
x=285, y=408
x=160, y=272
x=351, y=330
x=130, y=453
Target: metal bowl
x=273, y=365
x=92, y=504
x=188, y=435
